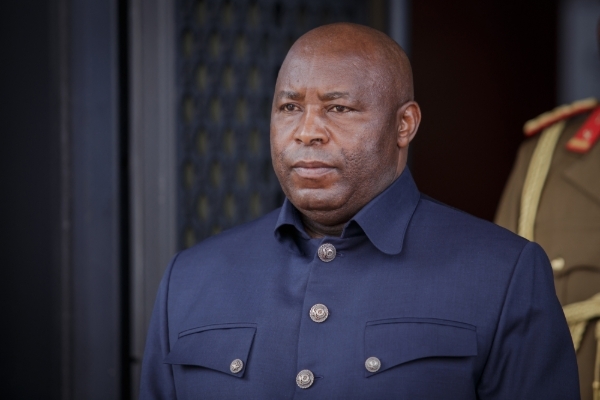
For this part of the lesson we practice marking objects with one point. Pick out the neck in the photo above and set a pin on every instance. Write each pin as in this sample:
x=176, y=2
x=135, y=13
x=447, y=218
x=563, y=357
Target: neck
x=317, y=230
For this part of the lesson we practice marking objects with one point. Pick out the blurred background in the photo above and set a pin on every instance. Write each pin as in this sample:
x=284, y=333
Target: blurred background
x=135, y=128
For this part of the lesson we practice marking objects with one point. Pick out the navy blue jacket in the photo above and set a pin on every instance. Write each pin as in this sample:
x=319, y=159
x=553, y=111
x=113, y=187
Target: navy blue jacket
x=453, y=307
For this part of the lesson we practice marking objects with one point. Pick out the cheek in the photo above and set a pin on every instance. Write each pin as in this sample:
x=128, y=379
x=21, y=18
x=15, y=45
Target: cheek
x=277, y=160
x=281, y=137
x=282, y=171
x=277, y=144
x=359, y=167
x=370, y=163
x=370, y=155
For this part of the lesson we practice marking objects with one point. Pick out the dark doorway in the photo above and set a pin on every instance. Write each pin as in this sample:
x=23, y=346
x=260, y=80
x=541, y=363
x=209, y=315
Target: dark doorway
x=481, y=70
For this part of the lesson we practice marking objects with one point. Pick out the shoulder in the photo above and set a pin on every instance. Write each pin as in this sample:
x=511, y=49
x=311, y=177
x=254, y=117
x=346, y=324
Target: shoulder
x=465, y=233
x=579, y=124
x=560, y=113
x=469, y=253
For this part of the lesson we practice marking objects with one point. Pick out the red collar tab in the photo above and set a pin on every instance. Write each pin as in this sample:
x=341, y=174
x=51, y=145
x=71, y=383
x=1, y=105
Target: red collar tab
x=587, y=134
x=543, y=121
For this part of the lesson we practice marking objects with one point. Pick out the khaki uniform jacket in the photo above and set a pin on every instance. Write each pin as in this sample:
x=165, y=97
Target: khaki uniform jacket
x=567, y=226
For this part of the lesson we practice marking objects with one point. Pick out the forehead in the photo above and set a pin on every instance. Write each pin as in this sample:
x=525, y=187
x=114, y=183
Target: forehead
x=324, y=71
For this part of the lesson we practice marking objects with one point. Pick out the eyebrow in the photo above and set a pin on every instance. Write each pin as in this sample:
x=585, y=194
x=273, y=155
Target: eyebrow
x=333, y=96
x=289, y=94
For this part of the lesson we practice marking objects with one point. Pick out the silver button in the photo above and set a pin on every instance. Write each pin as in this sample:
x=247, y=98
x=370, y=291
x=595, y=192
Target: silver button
x=305, y=379
x=372, y=364
x=326, y=252
x=558, y=263
x=236, y=366
x=319, y=313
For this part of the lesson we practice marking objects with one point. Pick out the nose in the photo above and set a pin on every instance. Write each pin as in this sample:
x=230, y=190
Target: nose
x=312, y=129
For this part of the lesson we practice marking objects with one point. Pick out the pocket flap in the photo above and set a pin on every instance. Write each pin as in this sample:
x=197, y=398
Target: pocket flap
x=399, y=340
x=214, y=347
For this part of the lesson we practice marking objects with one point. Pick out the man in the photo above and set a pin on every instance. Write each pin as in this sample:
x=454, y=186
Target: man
x=359, y=287
x=553, y=197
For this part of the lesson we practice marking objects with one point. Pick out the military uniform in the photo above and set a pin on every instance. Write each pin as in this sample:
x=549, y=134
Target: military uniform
x=553, y=197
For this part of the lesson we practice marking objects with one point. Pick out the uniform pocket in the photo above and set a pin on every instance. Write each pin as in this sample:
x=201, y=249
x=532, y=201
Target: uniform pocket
x=400, y=340
x=222, y=348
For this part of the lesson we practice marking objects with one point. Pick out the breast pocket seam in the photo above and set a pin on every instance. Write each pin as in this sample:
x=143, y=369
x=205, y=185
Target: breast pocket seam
x=436, y=321
x=216, y=326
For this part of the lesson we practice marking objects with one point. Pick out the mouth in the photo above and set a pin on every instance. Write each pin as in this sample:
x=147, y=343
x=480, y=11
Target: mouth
x=312, y=169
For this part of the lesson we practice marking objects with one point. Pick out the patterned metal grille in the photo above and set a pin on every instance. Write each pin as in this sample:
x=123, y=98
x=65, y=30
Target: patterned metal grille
x=229, y=54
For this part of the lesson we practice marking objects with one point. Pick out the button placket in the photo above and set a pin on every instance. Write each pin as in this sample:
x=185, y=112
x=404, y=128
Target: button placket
x=318, y=313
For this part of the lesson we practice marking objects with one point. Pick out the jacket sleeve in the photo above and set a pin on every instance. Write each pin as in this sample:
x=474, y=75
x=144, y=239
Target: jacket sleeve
x=157, y=378
x=532, y=354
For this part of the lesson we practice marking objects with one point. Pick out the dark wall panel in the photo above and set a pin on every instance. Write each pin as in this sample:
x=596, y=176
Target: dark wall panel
x=97, y=266
x=481, y=70
x=30, y=213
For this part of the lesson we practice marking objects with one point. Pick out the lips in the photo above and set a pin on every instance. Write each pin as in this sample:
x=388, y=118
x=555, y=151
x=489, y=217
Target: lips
x=312, y=169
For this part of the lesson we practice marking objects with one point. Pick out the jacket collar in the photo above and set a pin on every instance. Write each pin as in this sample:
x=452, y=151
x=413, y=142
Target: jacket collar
x=384, y=220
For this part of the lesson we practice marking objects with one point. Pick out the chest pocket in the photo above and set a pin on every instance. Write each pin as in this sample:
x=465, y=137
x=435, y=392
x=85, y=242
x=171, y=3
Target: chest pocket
x=400, y=340
x=222, y=348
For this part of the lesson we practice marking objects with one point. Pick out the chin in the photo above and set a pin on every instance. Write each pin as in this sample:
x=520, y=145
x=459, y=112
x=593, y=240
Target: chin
x=317, y=200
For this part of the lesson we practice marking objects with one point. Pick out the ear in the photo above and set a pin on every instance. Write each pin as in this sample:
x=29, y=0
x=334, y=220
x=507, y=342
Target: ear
x=408, y=119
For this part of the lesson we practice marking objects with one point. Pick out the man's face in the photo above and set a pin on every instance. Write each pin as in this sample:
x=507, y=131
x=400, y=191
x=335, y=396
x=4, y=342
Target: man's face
x=333, y=134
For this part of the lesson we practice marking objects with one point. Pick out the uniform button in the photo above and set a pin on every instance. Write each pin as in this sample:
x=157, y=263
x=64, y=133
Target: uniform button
x=558, y=263
x=305, y=379
x=326, y=252
x=236, y=366
x=319, y=313
x=372, y=364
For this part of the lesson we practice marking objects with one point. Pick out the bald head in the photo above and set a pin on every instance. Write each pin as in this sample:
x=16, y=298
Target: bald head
x=341, y=122
x=381, y=59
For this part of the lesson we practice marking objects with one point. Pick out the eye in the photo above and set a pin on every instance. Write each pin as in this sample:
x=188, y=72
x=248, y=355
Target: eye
x=289, y=107
x=339, y=109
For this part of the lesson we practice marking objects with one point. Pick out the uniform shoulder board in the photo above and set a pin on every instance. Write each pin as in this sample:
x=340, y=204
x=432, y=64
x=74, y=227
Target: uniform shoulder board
x=536, y=125
x=587, y=134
